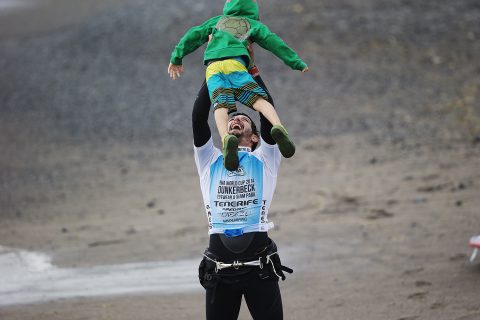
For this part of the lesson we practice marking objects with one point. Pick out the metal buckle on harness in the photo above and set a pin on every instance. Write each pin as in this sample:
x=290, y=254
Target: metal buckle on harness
x=236, y=264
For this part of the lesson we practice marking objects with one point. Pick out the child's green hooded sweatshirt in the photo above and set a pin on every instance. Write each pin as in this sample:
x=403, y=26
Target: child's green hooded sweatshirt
x=224, y=44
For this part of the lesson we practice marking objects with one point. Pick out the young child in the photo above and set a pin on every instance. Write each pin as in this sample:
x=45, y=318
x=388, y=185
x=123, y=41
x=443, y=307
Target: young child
x=227, y=59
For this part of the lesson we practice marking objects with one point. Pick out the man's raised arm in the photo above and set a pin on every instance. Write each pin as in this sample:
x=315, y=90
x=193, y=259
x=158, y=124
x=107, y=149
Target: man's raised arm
x=201, y=110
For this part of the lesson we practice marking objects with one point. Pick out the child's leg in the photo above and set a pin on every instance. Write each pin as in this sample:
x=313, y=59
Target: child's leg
x=221, y=95
x=221, y=120
x=278, y=132
x=229, y=142
x=268, y=111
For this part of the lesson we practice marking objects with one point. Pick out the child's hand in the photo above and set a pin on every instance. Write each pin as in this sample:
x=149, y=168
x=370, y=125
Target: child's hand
x=174, y=70
x=305, y=70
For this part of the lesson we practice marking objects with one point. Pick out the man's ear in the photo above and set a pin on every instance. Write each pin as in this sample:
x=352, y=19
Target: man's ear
x=255, y=138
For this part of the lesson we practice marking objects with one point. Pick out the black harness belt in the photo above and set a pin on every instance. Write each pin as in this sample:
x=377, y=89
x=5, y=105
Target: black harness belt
x=265, y=265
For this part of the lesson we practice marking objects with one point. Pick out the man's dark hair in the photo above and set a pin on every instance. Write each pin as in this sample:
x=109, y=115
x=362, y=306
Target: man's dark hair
x=254, y=127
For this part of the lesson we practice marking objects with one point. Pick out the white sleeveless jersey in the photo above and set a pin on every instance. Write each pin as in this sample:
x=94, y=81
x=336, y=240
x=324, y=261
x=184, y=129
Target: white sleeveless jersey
x=237, y=202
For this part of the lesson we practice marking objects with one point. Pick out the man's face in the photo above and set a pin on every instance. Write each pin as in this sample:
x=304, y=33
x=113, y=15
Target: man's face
x=239, y=125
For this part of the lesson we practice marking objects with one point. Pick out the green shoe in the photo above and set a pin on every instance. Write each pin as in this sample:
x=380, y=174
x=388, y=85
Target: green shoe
x=286, y=146
x=230, y=154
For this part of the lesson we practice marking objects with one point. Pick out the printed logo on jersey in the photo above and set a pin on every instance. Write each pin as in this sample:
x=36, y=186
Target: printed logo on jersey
x=240, y=172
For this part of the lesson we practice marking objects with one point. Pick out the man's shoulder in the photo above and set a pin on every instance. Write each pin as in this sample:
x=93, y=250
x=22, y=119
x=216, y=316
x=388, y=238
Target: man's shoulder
x=266, y=150
x=205, y=155
x=207, y=149
x=265, y=147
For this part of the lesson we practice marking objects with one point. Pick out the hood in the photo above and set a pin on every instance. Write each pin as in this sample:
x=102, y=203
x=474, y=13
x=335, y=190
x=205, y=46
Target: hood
x=241, y=8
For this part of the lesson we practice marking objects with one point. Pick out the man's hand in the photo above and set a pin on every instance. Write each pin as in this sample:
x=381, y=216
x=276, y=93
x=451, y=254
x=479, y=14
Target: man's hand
x=305, y=70
x=174, y=70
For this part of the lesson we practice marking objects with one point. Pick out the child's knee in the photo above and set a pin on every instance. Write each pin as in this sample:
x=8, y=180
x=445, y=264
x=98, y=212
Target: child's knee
x=229, y=108
x=260, y=104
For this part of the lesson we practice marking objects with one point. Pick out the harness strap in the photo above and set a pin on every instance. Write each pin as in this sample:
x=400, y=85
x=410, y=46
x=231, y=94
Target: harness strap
x=237, y=264
x=273, y=265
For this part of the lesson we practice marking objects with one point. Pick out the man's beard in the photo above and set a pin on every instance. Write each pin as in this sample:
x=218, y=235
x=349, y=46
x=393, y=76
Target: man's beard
x=238, y=134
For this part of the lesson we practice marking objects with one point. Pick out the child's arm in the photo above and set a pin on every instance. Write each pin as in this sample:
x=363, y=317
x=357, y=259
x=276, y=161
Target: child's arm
x=190, y=42
x=273, y=43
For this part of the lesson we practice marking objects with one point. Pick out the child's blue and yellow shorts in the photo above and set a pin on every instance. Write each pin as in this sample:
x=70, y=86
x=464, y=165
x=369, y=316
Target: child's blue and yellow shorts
x=229, y=81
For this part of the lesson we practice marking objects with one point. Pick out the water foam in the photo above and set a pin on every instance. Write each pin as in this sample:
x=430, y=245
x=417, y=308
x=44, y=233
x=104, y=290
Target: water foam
x=29, y=277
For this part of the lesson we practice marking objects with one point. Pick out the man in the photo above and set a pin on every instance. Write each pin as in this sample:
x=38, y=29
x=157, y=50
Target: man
x=241, y=260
